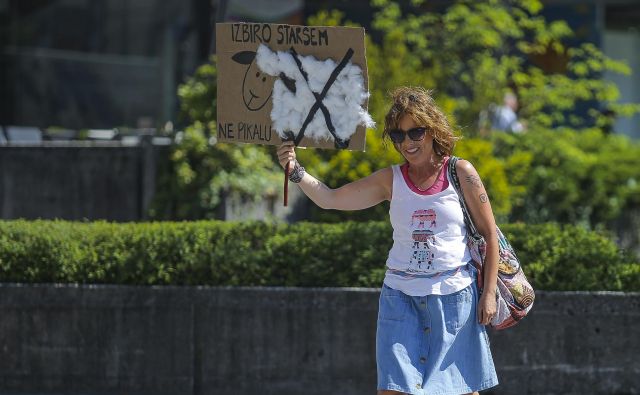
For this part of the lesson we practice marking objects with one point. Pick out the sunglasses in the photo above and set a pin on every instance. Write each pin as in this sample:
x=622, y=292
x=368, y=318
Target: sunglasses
x=415, y=134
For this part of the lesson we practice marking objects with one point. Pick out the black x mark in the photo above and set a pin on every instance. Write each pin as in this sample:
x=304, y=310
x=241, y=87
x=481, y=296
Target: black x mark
x=318, y=105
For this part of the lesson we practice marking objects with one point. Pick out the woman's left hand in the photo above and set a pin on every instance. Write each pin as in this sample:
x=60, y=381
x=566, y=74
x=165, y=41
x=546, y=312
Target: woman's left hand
x=487, y=308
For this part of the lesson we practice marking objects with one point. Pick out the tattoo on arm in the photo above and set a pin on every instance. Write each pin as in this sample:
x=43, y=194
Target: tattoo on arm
x=484, y=198
x=475, y=181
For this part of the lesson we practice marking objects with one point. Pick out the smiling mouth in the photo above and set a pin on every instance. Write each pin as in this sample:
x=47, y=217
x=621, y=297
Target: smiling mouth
x=412, y=150
x=253, y=96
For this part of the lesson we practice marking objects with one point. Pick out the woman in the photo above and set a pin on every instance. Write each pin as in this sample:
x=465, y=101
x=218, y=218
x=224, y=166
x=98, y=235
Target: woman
x=431, y=337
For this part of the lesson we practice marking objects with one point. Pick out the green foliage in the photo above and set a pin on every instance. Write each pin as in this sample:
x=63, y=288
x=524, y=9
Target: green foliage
x=133, y=253
x=258, y=253
x=570, y=177
x=198, y=101
x=346, y=254
x=570, y=258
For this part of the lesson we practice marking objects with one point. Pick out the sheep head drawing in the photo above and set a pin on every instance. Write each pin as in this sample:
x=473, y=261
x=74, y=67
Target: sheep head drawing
x=257, y=87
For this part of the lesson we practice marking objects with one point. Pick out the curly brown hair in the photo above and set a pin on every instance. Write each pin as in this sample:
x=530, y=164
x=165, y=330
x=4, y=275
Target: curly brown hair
x=418, y=103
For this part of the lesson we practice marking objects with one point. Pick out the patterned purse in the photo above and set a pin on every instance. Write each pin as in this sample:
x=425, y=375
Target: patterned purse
x=515, y=295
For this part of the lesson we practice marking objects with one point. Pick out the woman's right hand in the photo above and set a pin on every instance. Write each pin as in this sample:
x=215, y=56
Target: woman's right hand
x=286, y=154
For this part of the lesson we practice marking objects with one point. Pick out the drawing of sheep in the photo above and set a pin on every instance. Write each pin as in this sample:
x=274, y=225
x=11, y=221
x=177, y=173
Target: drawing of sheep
x=256, y=88
x=298, y=104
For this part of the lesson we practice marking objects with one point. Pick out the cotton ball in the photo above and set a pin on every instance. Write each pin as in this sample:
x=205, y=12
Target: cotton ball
x=279, y=105
x=267, y=60
x=305, y=99
x=312, y=129
x=366, y=118
x=318, y=72
x=289, y=67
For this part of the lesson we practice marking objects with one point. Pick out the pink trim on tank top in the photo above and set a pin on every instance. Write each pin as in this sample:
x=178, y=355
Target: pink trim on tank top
x=439, y=185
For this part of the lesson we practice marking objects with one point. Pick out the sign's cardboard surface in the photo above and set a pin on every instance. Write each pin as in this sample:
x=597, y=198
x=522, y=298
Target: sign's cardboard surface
x=244, y=92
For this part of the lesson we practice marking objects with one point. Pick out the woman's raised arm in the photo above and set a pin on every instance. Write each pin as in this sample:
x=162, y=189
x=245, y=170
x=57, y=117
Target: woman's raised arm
x=356, y=195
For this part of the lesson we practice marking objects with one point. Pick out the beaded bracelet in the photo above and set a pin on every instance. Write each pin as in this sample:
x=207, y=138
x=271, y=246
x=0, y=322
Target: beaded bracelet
x=297, y=173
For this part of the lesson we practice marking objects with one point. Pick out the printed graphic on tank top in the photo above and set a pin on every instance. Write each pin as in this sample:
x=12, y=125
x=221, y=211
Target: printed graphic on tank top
x=423, y=240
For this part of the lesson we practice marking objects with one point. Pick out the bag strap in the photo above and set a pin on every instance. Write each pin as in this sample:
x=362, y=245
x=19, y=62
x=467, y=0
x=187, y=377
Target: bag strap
x=453, y=174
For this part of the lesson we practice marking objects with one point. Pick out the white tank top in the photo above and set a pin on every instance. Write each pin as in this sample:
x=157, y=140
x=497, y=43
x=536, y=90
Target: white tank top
x=429, y=253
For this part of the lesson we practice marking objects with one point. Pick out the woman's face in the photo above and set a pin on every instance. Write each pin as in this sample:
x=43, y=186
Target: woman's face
x=414, y=151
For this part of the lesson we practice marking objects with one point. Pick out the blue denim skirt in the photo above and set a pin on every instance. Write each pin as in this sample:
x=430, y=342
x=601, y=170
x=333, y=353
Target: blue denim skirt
x=432, y=344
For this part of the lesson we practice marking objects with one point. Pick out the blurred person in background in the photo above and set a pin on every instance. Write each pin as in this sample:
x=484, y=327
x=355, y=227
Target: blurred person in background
x=505, y=117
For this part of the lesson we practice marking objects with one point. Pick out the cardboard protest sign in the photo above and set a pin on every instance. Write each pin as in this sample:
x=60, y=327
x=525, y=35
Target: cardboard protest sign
x=303, y=83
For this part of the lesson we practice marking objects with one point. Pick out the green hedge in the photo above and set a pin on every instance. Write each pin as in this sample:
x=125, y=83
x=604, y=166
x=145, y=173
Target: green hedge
x=258, y=253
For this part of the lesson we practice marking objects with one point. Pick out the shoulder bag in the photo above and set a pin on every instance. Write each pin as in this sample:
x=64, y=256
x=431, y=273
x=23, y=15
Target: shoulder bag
x=515, y=294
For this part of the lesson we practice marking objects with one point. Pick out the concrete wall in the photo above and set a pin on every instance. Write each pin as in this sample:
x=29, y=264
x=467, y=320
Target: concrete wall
x=197, y=340
x=78, y=180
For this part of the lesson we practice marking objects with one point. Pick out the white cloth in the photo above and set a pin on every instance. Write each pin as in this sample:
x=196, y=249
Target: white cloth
x=506, y=119
x=429, y=253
